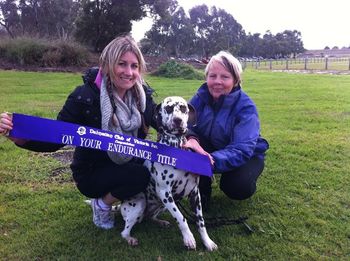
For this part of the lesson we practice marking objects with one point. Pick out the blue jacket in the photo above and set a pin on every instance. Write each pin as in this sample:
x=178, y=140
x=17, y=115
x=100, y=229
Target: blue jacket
x=229, y=129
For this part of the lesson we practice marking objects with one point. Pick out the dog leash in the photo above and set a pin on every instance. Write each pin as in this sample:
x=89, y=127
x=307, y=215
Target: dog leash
x=217, y=221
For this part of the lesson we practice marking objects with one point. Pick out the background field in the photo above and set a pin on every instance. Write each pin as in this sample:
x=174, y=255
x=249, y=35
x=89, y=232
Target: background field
x=301, y=210
x=319, y=64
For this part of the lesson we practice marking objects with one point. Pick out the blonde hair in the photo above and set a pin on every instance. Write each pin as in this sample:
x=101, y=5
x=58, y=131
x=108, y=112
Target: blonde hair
x=229, y=62
x=111, y=54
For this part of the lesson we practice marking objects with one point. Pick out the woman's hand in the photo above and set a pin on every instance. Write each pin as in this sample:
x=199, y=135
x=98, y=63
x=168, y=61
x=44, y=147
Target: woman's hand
x=6, y=125
x=195, y=146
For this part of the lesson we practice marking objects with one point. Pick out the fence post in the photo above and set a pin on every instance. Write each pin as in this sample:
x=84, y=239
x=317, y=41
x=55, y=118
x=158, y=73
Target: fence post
x=349, y=64
x=287, y=64
x=271, y=64
x=326, y=64
x=305, y=64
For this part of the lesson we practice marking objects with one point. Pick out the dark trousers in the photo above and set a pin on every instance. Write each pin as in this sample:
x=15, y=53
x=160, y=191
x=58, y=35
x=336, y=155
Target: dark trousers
x=239, y=183
x=122, y=181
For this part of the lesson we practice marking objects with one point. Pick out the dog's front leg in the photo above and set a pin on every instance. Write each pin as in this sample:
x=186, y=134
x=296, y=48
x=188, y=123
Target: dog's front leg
x=195, y=201
x=170, y=205
x=132, y=211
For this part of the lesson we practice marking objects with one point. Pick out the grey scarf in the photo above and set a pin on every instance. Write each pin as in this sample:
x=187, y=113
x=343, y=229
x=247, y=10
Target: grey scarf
x=126, y=119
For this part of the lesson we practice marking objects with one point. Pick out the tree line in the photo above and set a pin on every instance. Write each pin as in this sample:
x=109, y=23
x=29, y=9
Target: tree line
x=200, y=33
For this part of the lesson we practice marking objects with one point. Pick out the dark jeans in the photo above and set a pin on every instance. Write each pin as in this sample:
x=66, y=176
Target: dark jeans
x=122, y=181
x=239, y=183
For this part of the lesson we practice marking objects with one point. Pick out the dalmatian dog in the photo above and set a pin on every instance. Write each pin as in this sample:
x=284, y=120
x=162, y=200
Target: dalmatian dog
x=168, y=184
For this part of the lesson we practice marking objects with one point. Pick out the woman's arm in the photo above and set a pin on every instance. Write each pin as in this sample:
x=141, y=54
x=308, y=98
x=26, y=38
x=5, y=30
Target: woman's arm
x=244, y=138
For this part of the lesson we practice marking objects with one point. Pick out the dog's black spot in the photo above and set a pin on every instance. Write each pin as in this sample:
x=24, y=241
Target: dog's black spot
x=180, y=182
x=169, y=109
x=171, y=176
x=165, y=201
x=170, y=199
x=174, y=209
x=165, y=171
x=167, y=182
x=166, y=194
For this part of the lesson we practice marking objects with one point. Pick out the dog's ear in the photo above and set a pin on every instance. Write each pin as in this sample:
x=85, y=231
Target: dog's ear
x=192, y=116
x=157, y=115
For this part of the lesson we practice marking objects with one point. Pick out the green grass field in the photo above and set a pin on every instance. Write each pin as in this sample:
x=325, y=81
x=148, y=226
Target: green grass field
x=301, y=210
x=341, y=65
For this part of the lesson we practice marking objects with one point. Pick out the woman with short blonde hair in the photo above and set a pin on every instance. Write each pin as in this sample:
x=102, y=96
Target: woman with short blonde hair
x=228, y=130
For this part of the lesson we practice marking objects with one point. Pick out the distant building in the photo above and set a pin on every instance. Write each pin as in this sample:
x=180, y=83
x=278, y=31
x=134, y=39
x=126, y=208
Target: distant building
x=343, y=52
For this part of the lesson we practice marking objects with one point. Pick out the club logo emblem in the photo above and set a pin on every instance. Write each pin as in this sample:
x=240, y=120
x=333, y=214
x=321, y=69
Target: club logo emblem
x=81, y=131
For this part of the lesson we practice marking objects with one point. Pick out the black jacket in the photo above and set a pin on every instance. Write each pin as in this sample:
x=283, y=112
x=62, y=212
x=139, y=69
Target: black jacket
x=83, y=107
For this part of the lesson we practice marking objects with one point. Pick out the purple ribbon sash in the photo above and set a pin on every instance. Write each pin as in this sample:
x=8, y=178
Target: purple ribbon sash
x=47, y=130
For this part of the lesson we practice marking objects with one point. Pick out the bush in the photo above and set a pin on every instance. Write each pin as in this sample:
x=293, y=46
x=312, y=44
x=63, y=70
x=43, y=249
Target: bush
x=40, y=52
x=173, y=69
x=23, y=51
x=65, y=53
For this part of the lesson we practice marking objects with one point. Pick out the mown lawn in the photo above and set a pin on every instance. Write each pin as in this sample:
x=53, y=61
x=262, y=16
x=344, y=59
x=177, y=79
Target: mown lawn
x=301, y=210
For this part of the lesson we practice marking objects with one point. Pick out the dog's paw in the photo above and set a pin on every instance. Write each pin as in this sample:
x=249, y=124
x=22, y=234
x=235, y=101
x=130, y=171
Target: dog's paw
x=210, y=245
x=132, y=241
x=189, y=242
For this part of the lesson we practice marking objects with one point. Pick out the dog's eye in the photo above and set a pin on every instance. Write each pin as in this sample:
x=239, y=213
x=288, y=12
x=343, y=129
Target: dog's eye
x=183, y=108
x=169, y=109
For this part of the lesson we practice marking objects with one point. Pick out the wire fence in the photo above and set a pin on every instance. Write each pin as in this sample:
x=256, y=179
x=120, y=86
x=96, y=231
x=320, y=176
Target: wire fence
x=327, y=64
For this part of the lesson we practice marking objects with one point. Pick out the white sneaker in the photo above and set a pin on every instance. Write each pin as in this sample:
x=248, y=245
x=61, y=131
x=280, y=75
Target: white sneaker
x=102, y=218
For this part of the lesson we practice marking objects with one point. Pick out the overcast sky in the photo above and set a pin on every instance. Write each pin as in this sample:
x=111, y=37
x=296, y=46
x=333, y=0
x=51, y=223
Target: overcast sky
x=321, y=23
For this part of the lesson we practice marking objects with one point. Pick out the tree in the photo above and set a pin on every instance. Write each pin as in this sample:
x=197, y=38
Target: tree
x=285, y=44
x=100, y=21
x=215, y=30
x=9, y=18
x=57, y=17
x=172, y=35
x=251, y=45
x=291, y=43
x=201, y=19
x=44, y=18
x=225, y=33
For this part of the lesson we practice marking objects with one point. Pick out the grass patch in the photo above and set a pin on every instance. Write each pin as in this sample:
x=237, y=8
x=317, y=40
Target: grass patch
x=301, y=210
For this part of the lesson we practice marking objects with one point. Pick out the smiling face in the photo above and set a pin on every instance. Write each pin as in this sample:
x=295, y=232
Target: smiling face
x=220, y=81
x=127, y=72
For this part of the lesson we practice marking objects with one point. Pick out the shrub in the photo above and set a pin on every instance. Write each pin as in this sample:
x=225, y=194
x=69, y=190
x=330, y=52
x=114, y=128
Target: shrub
x=40, y=52
x=23, y=51
x=173, y=69
x=65, y=53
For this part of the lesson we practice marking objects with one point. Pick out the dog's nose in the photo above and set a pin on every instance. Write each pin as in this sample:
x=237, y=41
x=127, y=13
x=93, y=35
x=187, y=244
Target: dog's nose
x=177, y=121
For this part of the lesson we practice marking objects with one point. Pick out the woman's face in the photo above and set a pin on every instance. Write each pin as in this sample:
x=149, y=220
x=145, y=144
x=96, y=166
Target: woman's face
x=220, y=81
x=127, y=72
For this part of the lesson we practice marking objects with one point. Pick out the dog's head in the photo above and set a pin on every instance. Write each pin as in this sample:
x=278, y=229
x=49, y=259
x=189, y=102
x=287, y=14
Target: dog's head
x=174, y=114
